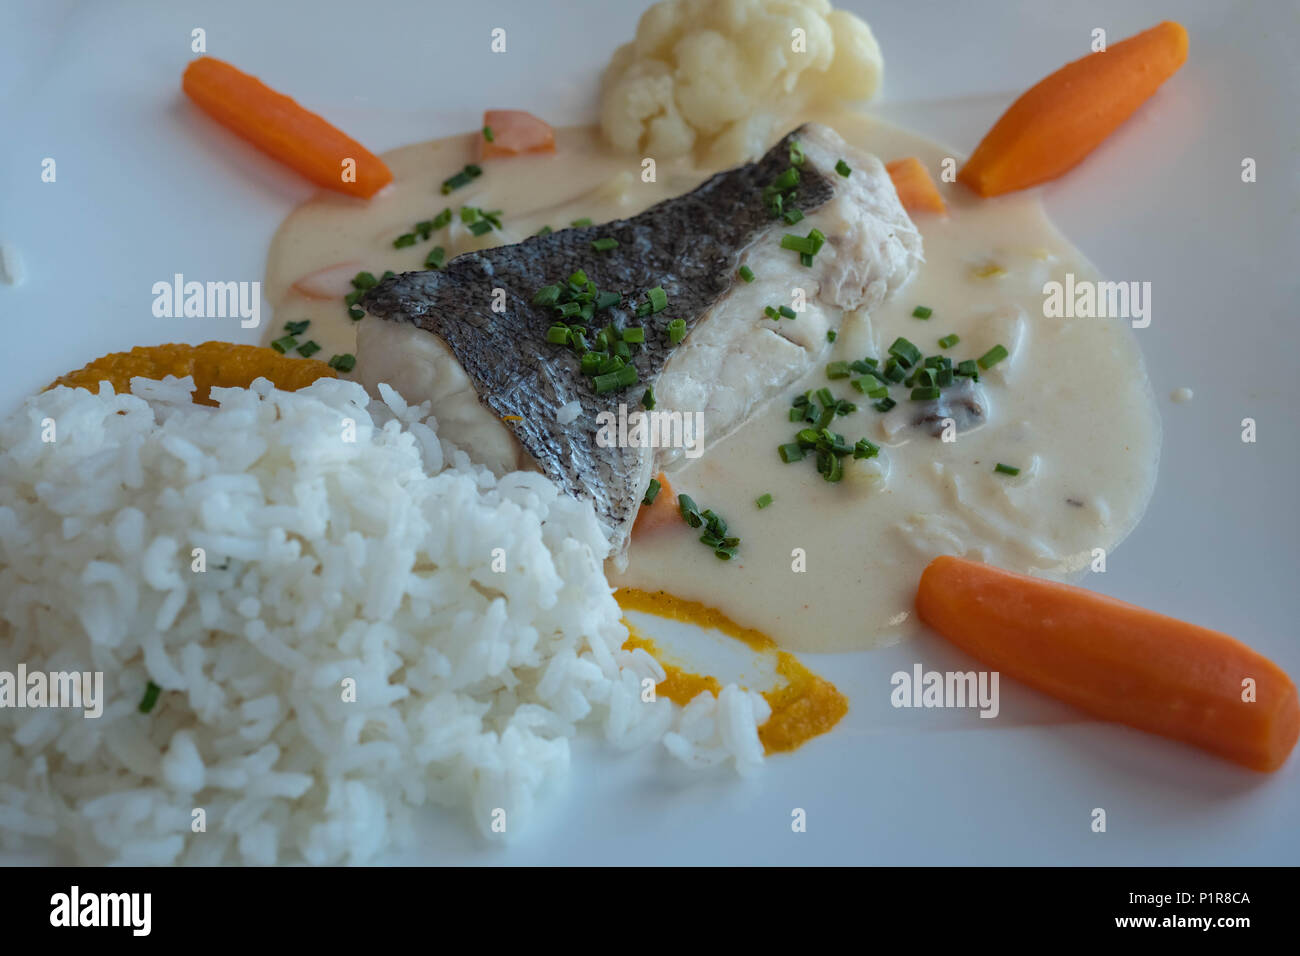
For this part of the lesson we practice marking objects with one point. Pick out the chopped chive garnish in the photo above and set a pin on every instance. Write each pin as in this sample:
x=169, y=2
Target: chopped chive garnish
x=579, y=223
x=906, y=353
x=578, y=279
x=634, y=335
x=676, y=331
x=462, y=178
x=831, y=335
x=771, y=313
x=791, y=216
x=802, y=244
x=884, y=405
x=607, y=300
x=871, y=386
x=968, y=368
x=838, y=370
x=604, y=244
x=787, y=180
x=480, y=227
x=469, y=214
x=283, y=345
x=922, y=312
x=763, y=500
x=648, y=398
x=487, y=134
x=788, y=312
x=558, y=334
x=344, y=363
x=544, y=231
x=943, y=377
x=355, y=313
x=948, y=341
x=842, y=168
x=619, y=378
x=364, y=280
x=658, y=299
x=1002, y=469
x=796, y=153
x=747, y=273
x=790, y=453
x=547, y=295
x=296, y=328
x=992, y=357
x=651, y=492
x=865, y=449
x=825, y=397
x=925, y=393
x=689, y=511
x=308, y=349
x=436, y=257
x=442, y=219
x=151, y=692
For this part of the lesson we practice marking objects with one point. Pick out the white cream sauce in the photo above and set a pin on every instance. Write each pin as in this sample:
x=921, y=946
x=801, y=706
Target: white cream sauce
x=1071, y=407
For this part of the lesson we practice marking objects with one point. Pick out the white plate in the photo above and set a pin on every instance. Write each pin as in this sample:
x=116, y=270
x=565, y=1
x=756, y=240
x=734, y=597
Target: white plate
x=146, y=187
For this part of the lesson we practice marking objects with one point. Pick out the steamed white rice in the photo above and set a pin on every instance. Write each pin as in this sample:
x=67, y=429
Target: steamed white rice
x=330, y=563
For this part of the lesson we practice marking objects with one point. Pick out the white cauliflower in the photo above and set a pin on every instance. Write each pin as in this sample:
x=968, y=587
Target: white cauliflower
x=714, y=76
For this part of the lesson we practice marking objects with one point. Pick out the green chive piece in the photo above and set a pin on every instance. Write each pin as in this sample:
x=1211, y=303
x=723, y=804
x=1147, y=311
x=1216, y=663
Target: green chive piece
x=786, y=181
x=487, y=134
x=296, y=328
x=634, y=335
x=344, y=363
x=355, y=313
x=151, y=692
x=676, y=331
x=796, y=153
x=308, y=349
x=771, y=313
x=762, y=501
x=992, y=357
x=607, y=300
x=462, y=178
x=547, y=295
x=830, y=335
x=480, y=227
x=619, y=378
x=922, y=312
x=436, y=257
x=788, y=312
x=798, y=243
x=558, y=334
x=906, y=353
x=843, y=168
x=948, y=341
x=865, y=449
x=364, y=280
x=1002, y=469
x=689, y=511
x=968, y=368
x=579, y=223
x=747, y=273
x=544, y=231
x=838, y=370
x=442, y=219
x=604, y=244
x=925, y=393
x=283, y=345
x=648, y=398
x=658, y=299
x=791, y=216
x=871, y=386
x=790, y=453
x=884, y=405
x=651, y=492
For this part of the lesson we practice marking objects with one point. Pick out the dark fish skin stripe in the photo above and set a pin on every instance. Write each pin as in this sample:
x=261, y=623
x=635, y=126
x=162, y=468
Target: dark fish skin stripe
x=690, y=245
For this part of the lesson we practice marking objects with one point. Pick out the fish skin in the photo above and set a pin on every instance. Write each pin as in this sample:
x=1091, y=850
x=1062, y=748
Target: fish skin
x=691, y=246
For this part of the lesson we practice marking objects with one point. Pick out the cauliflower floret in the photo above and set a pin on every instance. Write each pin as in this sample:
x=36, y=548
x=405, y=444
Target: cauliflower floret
x=714, y=76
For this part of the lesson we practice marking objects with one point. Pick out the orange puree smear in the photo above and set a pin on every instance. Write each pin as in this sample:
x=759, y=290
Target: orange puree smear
x=803, y=707
x=213, y=365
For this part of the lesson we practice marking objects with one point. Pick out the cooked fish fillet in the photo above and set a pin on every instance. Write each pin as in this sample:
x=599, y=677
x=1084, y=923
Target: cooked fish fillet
x=434, y=336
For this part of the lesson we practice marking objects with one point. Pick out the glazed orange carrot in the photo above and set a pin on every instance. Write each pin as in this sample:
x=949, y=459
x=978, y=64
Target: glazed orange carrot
x=1064, y=117
x=514, y=132
x=1116, y=661
x=661, y=513
x=278, y=126
x=916, y=190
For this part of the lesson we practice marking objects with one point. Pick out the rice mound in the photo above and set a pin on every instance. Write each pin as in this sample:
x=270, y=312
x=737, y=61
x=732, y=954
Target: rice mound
x=329, y=564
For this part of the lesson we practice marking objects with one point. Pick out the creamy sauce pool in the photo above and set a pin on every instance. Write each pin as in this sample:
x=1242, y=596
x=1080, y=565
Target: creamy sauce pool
x=1072, y=407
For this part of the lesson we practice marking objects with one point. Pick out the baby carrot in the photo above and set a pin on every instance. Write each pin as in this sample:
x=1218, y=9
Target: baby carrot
x=1065, y=116
x=278, y=126
x=1116, y=661
x=916, y=190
